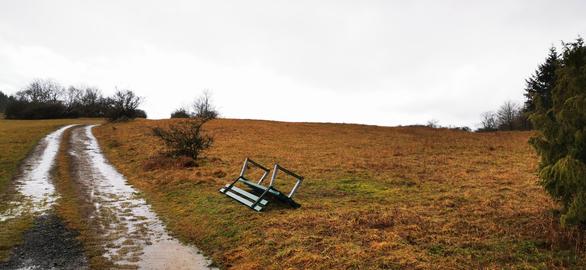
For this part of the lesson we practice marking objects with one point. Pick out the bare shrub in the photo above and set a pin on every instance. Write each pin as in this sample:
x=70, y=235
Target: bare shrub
x=185, y=138
x=181, y=113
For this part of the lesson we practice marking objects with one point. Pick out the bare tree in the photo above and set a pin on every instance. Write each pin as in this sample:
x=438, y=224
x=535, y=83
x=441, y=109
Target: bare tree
x=203, y=107
x=41, y=91
x=84, y=102
x=124, y=105
x=507, y=115
x=433, y=123
x=488, y=121
x=93, y=102
x=73, y=96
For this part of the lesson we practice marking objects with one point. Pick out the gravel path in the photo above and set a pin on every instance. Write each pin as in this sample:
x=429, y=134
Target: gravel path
x=48, y=244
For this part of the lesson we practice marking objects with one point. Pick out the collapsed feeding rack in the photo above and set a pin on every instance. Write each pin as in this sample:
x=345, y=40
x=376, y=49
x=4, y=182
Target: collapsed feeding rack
x=258, y=202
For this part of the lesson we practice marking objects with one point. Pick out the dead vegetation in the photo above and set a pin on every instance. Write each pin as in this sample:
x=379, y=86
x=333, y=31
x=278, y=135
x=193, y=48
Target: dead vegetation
x=374, y=197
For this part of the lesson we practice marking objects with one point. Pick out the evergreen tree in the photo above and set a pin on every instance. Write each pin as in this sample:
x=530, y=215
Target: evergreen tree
x=561, y=141
x=539, y=87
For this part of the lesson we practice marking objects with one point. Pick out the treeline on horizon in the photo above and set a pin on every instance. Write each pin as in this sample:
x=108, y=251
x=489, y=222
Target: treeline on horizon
x=539, y=89
x=46, y=99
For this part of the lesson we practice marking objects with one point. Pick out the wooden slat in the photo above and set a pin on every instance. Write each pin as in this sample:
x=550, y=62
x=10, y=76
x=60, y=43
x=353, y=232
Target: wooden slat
x=243, y=200
x=246, y=194
x=248, y=198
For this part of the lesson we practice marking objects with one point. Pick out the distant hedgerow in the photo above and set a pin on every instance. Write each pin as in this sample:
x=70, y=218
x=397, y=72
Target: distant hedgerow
x=47, y=99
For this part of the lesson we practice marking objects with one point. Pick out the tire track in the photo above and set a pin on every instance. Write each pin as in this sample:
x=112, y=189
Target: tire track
x=48, y=244
x=130, y=232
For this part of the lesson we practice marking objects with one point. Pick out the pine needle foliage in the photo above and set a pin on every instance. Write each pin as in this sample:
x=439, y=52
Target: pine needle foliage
x=561, y=139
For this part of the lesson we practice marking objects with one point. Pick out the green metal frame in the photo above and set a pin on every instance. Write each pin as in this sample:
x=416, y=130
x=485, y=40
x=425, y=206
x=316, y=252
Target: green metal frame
x=253, y=201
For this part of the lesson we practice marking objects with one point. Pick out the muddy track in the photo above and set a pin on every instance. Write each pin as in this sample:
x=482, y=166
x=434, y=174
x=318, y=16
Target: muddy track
x=122, y=224
x=131, y=232
x=35, y=191
x=48, y=244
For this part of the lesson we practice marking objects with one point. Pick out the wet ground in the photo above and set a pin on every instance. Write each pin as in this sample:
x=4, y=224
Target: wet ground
x=133, y=235
x=129, y=232
x=48, y=244
x=35, y=189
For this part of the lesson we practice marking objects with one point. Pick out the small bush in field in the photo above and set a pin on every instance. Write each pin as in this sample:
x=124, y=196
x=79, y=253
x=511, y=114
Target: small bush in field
x=181, y=113
x=185, y=138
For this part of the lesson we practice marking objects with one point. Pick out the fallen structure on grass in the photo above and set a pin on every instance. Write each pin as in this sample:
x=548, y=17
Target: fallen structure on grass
x=255, y=201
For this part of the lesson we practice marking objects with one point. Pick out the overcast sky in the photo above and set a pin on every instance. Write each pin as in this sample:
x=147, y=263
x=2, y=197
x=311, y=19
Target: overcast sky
x=371, y=62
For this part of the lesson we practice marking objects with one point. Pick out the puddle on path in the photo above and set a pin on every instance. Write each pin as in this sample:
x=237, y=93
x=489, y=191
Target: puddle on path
x=132, y=234
x=35, y=190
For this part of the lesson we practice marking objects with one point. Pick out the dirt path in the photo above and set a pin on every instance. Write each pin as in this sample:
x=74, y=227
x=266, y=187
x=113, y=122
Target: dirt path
x=128, y=231
x=35, y=189
x=132, y=234
x=48, y=244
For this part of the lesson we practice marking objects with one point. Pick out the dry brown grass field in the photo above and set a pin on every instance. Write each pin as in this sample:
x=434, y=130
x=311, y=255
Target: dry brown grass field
x=373, y=198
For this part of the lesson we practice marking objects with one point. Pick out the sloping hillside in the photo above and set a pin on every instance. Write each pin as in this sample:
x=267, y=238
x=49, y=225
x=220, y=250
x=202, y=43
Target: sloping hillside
x=374, y=197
